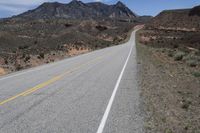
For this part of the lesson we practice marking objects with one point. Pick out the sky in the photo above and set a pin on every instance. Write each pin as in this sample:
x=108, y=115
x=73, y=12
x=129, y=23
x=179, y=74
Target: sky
x=9, y=8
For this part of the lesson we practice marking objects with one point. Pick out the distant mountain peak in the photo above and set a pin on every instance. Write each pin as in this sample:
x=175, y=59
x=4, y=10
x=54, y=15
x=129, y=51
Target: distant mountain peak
x=120, y=4
x=47, y=4
x=76, y=9
x=76, y=3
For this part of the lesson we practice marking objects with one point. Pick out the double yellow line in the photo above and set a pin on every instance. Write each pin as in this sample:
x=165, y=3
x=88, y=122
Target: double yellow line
x=51, y=81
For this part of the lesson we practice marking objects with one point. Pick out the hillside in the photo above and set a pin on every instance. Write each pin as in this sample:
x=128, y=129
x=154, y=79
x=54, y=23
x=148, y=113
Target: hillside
x=182, y=19
x=170, y=55
x=54, y=31
x=177, y=31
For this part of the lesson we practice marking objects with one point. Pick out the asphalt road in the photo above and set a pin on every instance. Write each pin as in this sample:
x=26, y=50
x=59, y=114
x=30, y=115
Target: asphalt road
x=91, y=93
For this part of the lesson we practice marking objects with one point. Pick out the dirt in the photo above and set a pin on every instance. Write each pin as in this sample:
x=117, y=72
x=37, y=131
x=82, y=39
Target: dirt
x=2, y=71
x=170, y=91
x=74, y=52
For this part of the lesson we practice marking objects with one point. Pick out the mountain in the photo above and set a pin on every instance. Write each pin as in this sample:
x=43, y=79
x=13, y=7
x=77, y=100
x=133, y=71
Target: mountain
x=195, y=11
x=79, y=10
x=187, y=19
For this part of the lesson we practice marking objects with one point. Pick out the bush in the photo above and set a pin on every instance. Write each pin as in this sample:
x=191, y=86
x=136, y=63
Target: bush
x=41, y=55
x=192, y=63
x=67, y=25
x=196, y=74
x=191, y=60
x=23, y=47
x=101, y=28
x=19, y=67
x=27, y=58
x=6, y=61
x=176, y=46
x=170, y=54
x=179, y=56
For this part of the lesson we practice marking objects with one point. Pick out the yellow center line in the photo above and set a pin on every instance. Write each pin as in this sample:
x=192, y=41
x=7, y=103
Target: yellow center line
x=51, y=81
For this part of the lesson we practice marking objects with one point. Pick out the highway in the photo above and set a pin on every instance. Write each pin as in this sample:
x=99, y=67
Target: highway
x=91, y=93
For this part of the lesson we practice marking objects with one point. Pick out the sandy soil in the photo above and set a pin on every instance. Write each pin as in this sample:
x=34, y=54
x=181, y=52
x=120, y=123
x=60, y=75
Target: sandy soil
x=2, y=71
x=74, y=51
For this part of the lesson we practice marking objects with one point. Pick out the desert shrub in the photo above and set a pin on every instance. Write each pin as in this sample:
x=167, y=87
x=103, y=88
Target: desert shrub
x=27, y=58
x=101, y=28
x=96, y=46
x=23, y=47
x=192, y=63
x=170, y=54
x=6, y=61
x=18, y=67
x=41, y=55
x=76, y=47
x=116, y=39
x=52, y=60
x=196, y=74
x=67, y=25
x=23, y=55
x=176, y=46
x=191, y=59
x=179, y=56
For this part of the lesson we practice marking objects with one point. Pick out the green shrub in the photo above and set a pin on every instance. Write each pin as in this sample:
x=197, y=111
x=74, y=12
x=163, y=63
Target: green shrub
x=192, y=63
x=191, y=59
x=170, y=54
x=196, y=74
x=179, y=56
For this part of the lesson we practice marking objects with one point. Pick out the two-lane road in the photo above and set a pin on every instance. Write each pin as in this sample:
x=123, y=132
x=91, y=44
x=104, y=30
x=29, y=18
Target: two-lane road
x=91, y=93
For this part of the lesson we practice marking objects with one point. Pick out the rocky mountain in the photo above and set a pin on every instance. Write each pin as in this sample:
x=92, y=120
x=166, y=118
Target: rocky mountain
x=79, y=10
x=183, y=19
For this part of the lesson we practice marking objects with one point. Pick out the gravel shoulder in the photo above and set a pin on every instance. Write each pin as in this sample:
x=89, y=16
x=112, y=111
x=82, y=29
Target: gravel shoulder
x=170, y=91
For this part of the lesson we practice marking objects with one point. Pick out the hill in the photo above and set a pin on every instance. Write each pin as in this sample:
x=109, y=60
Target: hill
x=175, y=32
x=172, y=50
x=183, y=19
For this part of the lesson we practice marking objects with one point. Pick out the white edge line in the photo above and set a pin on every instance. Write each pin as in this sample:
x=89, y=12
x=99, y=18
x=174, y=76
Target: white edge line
x=106, y=113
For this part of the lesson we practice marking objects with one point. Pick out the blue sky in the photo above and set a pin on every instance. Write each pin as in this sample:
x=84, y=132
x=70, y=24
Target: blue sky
x=141, y=7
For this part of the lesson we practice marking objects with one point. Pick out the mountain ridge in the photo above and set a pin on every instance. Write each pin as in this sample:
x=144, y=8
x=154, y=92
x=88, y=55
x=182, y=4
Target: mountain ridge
x=79, y=10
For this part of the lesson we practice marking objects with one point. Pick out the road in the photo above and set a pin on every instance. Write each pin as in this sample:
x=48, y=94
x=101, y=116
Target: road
x=91, y=93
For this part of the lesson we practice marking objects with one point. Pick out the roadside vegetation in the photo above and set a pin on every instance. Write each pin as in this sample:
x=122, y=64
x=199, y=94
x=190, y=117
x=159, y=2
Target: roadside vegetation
x=170, y=82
